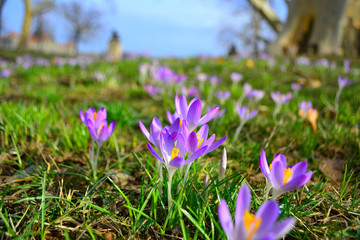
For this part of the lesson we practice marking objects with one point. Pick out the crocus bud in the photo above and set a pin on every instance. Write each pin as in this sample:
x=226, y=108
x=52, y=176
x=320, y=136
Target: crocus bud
x=223, y=163
x=206, y=184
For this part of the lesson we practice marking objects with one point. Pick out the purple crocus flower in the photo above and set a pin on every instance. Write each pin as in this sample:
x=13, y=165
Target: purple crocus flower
x=219, y=114
x=246, y=89
x=261, y=226
x=200, y=139
x=202, y=77
x=280, y=98
x=255, y=94
x=296, y=86
x=5, y=73
x=190, y=92
x=343, y=82
x=305, y=106
x=215, y=80
x=236, y=77
x=152, y=89
x=156, y=129
x=172, y=152
x=281, y=177
x=347, y=66
x=244, y=113
x=97, y=124
x=191, y=113
x=222, y=96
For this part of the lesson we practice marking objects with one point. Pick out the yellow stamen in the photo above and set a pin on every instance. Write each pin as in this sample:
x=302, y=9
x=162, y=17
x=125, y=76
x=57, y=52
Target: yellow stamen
x=101, y=129
x=95, y=116
x=199, y=141
x=270, y=167
x=287, y=175
x=180, y=123
x=249, y=221
x=174, y=153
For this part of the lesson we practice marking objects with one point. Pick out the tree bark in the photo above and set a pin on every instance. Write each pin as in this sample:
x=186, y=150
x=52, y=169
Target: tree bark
x=312, y=26
x=26, y=26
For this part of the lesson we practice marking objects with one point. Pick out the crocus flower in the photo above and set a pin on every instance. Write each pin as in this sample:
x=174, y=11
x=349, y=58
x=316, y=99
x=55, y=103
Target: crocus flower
x=280, y=98
x=219, y=114
x=236, y=77
x=244, y=113
x=97, y=124
x=156, y=129
x=281, y=177
x=215, y=80
x=190, y=91
x=343, y=82
x=255, y=94
x=5, y=73
x=191, y=113
x=202, y=77
x=261, y=226
x=152, y=89
x=246, y=89
x=222, y=96
x=347, y=66
x=296, y=86
x=307, y=111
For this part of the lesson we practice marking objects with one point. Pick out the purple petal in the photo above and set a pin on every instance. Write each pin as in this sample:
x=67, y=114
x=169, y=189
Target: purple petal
x=92, y=130
x=264, y=167
x=196, y=155
x=277, y=174
x=282, y=158
x=243, y=202
x=154, y=153
x=252, y=114
x=269, y=213
x=177, y=162
x=156, y=122
x=203, y=131
x=82, y=116
x=183, y=107
x=181, y=145
x=283, y=227
x=144, y=130
x=103, y=134
x=191, y=143
x=215, y=145
x=297, y=182
x=298, y=169
x=174, y=126
x=225, y=218
x=194, y=113
x=207, y=117
x=111, y=128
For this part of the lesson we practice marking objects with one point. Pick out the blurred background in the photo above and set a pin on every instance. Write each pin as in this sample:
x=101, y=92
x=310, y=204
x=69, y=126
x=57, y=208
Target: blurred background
x=181, y=28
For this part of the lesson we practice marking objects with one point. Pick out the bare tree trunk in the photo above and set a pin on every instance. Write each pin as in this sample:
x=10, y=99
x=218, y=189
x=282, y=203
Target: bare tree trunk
x=26, y=25
x=312, y=26
x=263, y=7
x=2, y=2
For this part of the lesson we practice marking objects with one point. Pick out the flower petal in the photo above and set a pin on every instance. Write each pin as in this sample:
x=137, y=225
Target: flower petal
x=207, y=117
x=192, y=142
x=196, y=155
x=269, y=213
x=277, y=174
x=298, y=169
x=194, y=114
x=154, y=153
x=225, y=218
x=243, y=202
x=82, y=116
x=144, y=130
x=177, y=162
x=183, y=107
x=282, y=158
x=283, y=227
x=297, y=182
x=264, y=167
x=215, y=145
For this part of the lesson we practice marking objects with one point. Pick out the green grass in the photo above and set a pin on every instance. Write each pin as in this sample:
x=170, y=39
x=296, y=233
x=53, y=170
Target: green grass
x=46, y=184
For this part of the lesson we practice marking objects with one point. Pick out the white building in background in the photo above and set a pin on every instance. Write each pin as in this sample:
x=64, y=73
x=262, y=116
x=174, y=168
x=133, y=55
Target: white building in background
x=44, y=44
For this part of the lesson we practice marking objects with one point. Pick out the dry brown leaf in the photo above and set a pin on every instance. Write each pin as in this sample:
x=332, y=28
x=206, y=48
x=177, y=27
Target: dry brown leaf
x=333, y=169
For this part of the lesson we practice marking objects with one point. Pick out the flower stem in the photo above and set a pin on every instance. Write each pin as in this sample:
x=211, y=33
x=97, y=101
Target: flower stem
x=171, y=174
x=186, y=173
x=337, y=98
x=239, y=128
x=96, y=162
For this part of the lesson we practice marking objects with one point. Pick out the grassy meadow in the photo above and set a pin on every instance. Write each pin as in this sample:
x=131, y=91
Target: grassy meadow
x=47, y=190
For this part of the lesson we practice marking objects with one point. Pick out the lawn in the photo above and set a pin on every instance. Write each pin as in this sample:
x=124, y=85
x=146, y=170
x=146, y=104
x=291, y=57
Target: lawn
x=49, y=189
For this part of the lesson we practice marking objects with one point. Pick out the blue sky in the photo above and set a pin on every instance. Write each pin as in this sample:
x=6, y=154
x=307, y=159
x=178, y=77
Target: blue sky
x=161, y=27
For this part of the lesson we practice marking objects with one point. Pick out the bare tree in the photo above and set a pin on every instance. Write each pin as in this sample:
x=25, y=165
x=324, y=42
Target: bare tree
x=2, y=3
x=330, y=27
x=31, y=10
x=84, y=23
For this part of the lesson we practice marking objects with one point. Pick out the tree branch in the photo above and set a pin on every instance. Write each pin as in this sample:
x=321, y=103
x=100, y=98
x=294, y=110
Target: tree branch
x=267, y=13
